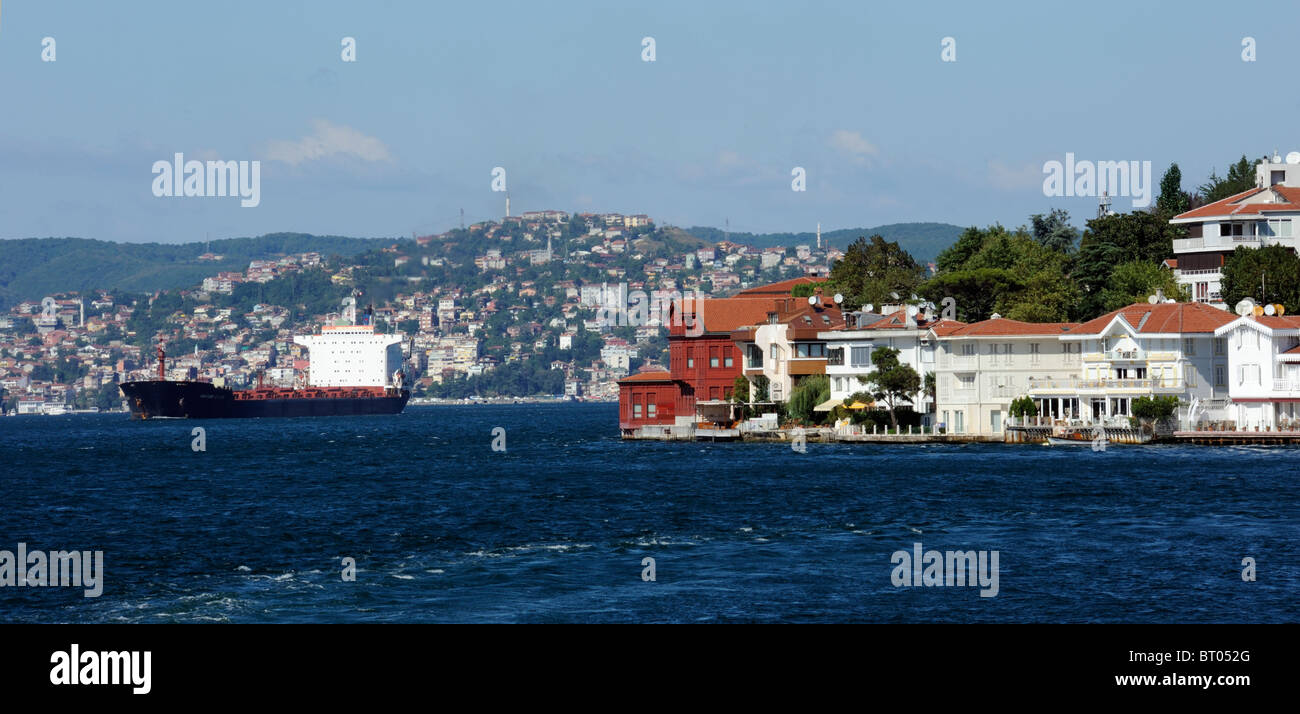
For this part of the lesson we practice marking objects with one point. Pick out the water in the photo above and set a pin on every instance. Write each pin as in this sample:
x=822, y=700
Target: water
x=555, y=529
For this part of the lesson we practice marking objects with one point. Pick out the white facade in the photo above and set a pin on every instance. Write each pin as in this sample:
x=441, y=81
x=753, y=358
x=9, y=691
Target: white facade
x=352, y=356
x=1267, y=217
x=982, y=367
x=849, y=356
x=1263, y=374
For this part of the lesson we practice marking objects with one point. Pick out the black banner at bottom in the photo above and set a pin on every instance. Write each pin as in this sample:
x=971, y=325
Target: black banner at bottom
x=209, y=664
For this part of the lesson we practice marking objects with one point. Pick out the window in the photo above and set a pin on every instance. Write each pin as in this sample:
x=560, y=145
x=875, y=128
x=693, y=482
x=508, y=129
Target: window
x=713, y=360
x=650, y=409
x=1189, y=346
x=1033, y=353
x=1189, y=373
x=968, y=349
x=690, y=358
x=636, y=407
x=810, y=349
x=1220, y=346
x=726, y=361
x=861, y=356
x=835, y=356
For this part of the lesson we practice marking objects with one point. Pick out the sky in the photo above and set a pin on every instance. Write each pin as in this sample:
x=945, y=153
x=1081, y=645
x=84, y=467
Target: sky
x=559, y=95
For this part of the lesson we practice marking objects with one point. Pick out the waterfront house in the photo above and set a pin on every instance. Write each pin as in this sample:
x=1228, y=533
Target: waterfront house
x=1264, y=215
x=1262, y=372
x=785, y=345
x=1161, y=349
x=913, y=334
x=983, y=366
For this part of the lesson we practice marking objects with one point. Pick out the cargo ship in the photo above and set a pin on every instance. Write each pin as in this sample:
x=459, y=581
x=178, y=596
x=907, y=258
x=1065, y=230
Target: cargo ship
x=351, y=370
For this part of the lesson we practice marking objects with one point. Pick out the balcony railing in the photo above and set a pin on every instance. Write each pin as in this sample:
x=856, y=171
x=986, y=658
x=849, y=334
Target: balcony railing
x=1037, y=383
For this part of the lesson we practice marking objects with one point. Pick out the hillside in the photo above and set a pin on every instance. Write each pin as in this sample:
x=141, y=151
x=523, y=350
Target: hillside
x=923, y=240
x=31, y=268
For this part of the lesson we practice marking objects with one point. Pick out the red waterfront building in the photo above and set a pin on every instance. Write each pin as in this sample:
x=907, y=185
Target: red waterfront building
x=703, y=361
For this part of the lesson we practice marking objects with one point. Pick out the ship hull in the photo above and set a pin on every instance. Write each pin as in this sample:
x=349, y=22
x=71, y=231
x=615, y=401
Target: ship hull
x=160, y=399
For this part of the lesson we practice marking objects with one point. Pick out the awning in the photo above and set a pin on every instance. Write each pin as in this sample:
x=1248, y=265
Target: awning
x=859, y=405
x=828, y=405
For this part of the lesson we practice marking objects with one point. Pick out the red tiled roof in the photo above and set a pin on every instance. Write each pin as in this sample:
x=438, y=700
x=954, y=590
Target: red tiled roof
x=1167, y=318
x=782, y=288
x=1231, y=205
x=728, y=314
x=647, y=377
x=1000, y=326
x=1279, y=322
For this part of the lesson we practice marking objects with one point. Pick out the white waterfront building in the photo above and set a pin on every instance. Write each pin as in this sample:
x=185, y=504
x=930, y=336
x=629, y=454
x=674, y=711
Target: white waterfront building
x=1263, y=374
x=849, y=349
x=983, y=366
x=1142, y=350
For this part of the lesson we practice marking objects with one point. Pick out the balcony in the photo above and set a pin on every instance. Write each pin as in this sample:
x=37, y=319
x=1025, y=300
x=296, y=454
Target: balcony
x=1037, y=384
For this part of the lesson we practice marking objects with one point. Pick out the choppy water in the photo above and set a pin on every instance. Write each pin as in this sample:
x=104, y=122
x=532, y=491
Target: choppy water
x=555, y=529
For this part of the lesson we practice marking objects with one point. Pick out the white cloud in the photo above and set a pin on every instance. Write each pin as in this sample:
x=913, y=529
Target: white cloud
x=853, y=144
x=328, y=140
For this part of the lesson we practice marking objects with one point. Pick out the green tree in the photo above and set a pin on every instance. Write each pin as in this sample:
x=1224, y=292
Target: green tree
x=1268, y=275
x=891, y=382
x=1137, y=280
x=1054, y=231
x=1172, y=200
x=873, y=270
x=1241, y=177
x=740, y=389
x=811, y=391
x=1110, y=241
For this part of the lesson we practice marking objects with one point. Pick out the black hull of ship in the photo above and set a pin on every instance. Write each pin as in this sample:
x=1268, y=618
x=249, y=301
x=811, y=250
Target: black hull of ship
x=201, y=400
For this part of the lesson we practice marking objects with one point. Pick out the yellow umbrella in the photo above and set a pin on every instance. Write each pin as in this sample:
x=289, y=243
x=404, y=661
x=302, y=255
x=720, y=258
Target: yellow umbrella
x=859, y=405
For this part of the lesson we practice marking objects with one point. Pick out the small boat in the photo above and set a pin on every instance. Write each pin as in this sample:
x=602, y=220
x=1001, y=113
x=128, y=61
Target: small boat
x=1085, y=436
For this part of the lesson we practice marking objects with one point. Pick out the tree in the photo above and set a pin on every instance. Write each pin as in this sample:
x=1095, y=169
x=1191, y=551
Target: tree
x=928, y=388
x=740, y=389
x=1054, y=231
x=1023, y=407
x=1113, y=240
x=1172, y=201
x=1268, y=275
x=872, y=270
x=1241, y=177
x=891, y=382
x=1137, y=280
x=811, y=391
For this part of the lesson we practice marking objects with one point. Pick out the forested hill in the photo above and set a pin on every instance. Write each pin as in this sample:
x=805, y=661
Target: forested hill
x=924, y=241
x=31, y=268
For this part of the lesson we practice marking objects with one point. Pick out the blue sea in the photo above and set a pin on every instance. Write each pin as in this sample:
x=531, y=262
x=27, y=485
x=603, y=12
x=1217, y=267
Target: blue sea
x=557, y=527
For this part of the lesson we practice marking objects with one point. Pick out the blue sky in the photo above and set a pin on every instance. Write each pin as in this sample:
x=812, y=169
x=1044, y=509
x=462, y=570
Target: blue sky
x=557, y=94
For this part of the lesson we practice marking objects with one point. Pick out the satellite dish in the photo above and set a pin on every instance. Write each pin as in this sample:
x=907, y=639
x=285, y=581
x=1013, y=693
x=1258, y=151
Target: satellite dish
x=1259, y=311
x=1281, y=309
x=868, y=307
x=838, y=298
x=1293, y=157
x=1152, y=299
x=1245, y=307
x=1270, y=310
x=894, y=295
x=912, y=310
x=812, y=299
